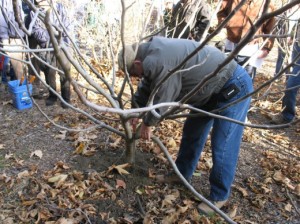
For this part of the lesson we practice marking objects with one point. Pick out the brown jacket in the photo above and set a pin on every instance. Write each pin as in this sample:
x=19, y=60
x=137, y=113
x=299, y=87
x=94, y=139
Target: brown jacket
x=240, y=23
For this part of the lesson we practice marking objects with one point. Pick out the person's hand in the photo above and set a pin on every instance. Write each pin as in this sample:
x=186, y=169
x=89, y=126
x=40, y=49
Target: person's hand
x=146, y=132
x=263, y=53
x=134, y=122
x=289, y=40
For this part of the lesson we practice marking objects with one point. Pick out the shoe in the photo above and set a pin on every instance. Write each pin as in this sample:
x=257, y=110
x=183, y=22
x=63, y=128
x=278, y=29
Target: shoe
x=36, y=93
x=50, y=101
x=206, y=210
x=170, y=178
x=278, y=119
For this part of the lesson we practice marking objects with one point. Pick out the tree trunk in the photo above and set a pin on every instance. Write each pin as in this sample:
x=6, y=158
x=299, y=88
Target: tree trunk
x=130, y=151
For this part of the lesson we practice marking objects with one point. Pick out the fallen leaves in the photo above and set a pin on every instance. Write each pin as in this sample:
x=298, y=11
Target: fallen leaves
x=37, y=153
x=119, y=168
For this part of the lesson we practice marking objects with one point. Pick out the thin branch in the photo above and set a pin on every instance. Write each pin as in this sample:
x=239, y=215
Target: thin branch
x=292, y=201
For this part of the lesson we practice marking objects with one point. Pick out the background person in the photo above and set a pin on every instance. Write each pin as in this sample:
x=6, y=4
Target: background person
x=189, y=19
x=41, y=36
x=289, y=100
x=239, y=25
x=11, y=35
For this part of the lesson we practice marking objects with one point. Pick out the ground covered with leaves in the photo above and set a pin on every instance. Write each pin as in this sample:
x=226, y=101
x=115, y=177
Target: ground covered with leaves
x=50, y=175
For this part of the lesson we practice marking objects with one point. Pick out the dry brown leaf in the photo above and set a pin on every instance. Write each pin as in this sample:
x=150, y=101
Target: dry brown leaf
x=168, y=200
x=278, y=176
x=7, y=102
x=116, y=143
x=171, y=143
x=33, y=213
x=120, y=184
x=37, y=153
x=57, y=178
x=242, y=190
x=41, y=195
x=29, y=203
x=172, y=218
x=288, y=207
x=89, y=152
x=297, y=189
x=182, y=209
x=120, y=168
x=9, y=156
x=9, y=221
x=62, y=165
x=61, y=135
x=148, y=219
x=22, y=174
x=233, y=211
x=3, y=177
x=80, y=148
x=204, y=220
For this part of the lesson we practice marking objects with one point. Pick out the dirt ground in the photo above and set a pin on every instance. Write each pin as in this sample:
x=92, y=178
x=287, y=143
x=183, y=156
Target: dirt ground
x=32, y=150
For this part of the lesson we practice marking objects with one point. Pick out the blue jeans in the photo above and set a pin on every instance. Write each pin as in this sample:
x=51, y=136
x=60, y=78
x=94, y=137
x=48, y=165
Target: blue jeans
x=280, y=59
x=225, y=139
x=289, y=99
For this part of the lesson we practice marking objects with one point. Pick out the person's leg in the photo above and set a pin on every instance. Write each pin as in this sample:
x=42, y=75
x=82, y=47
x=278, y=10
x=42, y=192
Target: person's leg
x=51, y=81
x=5, y=70
x=65, y=90
x=16, y=64
x=289, y=99
x=280, y=59
x=226, y=138
x=194, y=135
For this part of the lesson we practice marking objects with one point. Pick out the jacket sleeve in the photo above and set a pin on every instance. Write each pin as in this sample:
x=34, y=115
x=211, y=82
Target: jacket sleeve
x=142, y=94
x=267, y=28
x=224, y=11
x=168, y=92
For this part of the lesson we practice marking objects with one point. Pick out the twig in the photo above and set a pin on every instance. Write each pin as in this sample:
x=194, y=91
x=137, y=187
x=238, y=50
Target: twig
x=142, y=211
x=293, y=203
x=69, y=209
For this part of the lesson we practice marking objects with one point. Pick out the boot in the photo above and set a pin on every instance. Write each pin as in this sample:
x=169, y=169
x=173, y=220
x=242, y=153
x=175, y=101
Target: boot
x=206, y=210
x=66, y=95
x=50, y=101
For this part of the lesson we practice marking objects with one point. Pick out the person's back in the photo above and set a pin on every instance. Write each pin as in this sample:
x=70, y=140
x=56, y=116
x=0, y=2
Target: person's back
x=159, y=62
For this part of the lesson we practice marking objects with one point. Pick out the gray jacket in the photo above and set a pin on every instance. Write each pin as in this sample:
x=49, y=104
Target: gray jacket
x=39, y=31
x=162, y=55
x=9, y=28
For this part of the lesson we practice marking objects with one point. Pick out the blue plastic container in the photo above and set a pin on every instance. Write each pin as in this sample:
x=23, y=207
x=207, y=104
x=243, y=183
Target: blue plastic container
x=20, y=95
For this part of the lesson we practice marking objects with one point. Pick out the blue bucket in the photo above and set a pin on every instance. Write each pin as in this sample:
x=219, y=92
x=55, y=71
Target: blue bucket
x=20, y=95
